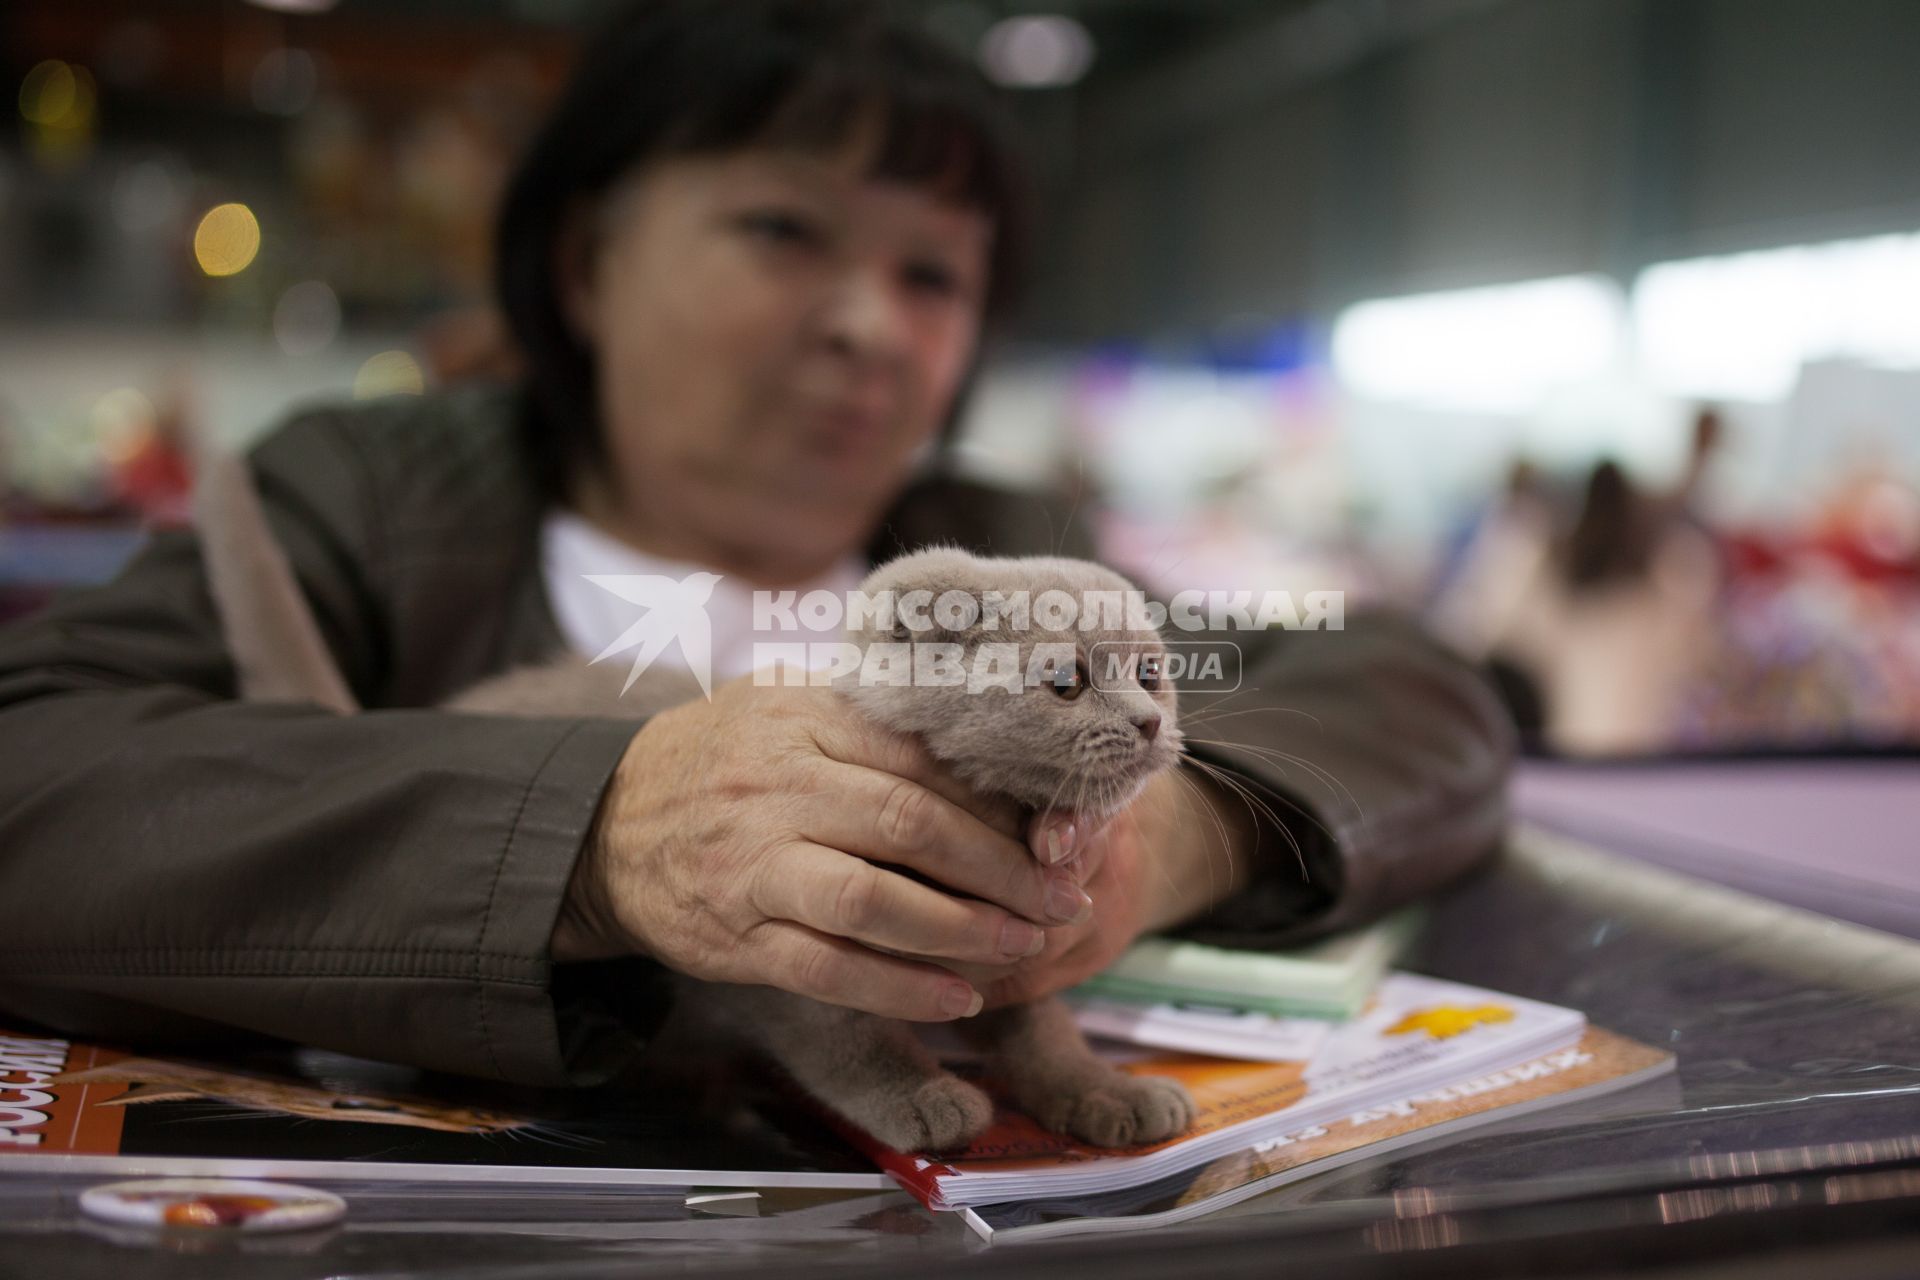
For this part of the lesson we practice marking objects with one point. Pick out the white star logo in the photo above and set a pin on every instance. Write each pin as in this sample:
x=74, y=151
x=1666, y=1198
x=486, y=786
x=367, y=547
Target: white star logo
x=675, y=610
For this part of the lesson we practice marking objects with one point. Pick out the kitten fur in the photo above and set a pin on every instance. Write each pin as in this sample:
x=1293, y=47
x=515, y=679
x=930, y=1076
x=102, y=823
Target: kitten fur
x=1091, y=753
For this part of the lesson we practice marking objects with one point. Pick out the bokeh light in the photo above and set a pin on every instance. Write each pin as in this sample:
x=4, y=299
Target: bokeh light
x=306, y=319
x=123, y=423
x=49, y=93
x=57, y=101
x=390, y=373
x=226, y=240
x=1036, y=51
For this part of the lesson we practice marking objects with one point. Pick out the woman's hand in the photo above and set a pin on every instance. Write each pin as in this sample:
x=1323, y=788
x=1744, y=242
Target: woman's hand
x=760, y=838
x=1182, y=846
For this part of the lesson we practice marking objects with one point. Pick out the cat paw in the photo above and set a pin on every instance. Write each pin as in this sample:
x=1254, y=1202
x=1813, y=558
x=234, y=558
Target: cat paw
x=1125, y=1111
x=942, y=1114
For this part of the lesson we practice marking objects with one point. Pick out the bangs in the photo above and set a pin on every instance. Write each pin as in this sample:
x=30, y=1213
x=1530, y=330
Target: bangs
x=907, y=135
x=913, y=117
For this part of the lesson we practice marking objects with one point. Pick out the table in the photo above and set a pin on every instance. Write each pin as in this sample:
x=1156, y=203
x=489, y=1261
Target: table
x=1787, y=1142
x=1838, y=836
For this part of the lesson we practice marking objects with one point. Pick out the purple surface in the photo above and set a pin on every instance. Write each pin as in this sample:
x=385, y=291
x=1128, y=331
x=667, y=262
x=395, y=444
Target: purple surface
x=1840, y=836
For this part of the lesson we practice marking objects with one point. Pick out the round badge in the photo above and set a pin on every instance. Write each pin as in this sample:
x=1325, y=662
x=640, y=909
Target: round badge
x=213, y=1202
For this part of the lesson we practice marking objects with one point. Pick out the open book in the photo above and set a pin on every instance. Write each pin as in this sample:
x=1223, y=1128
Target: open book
x=1600, y=1064
x=1424, y=1051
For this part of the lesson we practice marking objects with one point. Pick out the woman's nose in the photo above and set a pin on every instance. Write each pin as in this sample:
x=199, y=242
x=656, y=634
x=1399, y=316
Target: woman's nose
x=865, y=317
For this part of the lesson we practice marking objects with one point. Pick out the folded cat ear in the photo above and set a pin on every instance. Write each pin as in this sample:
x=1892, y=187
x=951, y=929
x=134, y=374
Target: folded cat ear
x=939, y=625
x=935, y=571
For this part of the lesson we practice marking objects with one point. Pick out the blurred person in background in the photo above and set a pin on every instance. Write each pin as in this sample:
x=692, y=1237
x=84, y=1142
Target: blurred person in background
x=746, y=265
x=1599, y=622
x=1617, y=628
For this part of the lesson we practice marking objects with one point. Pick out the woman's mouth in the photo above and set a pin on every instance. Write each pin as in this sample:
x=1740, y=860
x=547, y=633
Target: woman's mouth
x=846, y=427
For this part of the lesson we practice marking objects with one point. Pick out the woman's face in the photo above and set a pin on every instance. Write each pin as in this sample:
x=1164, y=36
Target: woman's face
x=777, y=337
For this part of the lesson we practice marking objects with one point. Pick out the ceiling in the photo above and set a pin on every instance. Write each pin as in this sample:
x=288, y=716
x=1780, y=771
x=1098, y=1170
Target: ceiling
x=1128, y=35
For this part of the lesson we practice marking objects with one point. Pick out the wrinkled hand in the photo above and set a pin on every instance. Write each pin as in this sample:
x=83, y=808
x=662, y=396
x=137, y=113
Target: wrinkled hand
x=760, y=838
x=1182, y=846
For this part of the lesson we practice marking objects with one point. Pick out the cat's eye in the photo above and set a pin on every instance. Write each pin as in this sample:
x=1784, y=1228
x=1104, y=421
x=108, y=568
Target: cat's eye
x=1070, y=684
x=1149, y=673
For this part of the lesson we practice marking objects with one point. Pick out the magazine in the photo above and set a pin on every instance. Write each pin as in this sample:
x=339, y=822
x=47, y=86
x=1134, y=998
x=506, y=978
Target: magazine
x=1424, y=1058
x=1417, y=1034
x=1199, y=1028
x=1327, y=979
x=68, y=1107
x=1601, y=1063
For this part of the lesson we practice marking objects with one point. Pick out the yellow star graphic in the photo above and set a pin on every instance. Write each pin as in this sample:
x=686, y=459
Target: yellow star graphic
x=1446, y=1021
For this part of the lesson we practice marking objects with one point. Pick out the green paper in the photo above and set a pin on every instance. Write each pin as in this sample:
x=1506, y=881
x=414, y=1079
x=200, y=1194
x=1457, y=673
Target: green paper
x=1328, y=979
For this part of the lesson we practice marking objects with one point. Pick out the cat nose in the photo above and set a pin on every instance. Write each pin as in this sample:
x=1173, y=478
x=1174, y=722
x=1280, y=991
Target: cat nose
x=1149, y=727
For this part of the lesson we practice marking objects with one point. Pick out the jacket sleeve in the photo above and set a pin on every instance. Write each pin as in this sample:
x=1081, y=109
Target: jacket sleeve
x=1380, y=761
x=175, y=865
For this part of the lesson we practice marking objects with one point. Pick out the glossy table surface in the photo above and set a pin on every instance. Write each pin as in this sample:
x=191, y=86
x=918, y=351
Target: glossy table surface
x=1792, y=1123
x=1838, y=836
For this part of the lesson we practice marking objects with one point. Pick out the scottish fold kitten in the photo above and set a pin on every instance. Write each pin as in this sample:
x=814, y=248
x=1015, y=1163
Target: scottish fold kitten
x=1069, y=741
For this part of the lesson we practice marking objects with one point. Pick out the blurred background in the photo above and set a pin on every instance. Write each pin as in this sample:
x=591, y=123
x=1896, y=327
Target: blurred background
x=1590, y=329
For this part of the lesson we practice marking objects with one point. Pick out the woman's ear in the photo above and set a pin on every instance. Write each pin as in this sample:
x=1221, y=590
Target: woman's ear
x=576, y=258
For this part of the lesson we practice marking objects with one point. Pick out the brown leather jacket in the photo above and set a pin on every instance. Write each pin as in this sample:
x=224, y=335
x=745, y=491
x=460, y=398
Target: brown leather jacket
x=175, y=865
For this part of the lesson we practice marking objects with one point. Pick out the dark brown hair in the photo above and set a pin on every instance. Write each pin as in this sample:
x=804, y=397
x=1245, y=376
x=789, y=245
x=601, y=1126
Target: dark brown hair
x=684, y=77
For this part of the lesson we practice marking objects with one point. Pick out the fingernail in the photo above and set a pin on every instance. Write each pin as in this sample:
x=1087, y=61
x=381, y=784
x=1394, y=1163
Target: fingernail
x=1067, y=902
x=960, y=1001
x=1018, y=938
x=1060, y=841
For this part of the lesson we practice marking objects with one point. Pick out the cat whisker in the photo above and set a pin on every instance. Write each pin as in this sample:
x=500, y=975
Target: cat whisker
x=224, y=1111
x=1209, y=714
x=1159, y=551
x=1079, y=488
x=1226, y=839
x=1053, y=800
x=1284, y=758
x=1279, y=796
x=549, y=1135
x=1213, y=703
x=1258, y=806
x=1184, y=557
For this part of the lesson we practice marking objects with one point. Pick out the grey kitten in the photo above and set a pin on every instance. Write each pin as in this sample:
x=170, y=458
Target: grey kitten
x=1069, y=742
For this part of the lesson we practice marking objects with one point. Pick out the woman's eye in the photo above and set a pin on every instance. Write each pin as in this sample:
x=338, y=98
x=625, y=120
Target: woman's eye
x=779, y=226
x=1070, y=684
x=933, y=277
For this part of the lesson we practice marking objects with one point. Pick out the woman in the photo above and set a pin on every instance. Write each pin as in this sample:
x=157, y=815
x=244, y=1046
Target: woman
x=748, y=259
